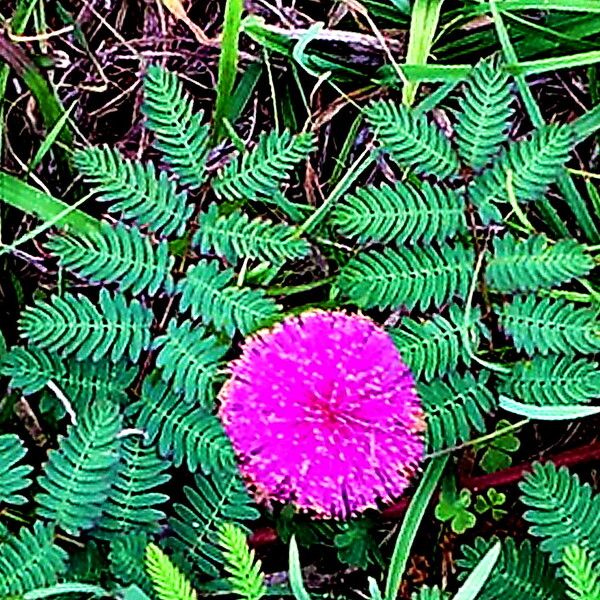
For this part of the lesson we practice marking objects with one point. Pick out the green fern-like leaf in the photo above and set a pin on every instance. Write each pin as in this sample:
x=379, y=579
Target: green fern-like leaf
x=189, y=359
x=411, y=140
x=134, y=189
x=548, y=325
x=213, y=500
x=530, y=166
x=168, y=581
x=179, y=132
x=410, y=277
x=530, y=264
x=260, y=172
x=30, y=560
x=553, y=380
x=404, y=213
x=562, y=510
x=235, y=236
x=73, y=325
x=181, y=431
x=538, y=161
x=580, y=574
x=117, y=255
x=521, y=573
x=78, y=476
x=455, y=408
x=127, y=561
x=13, y=477
x=82, y=382
x=483, y=121
x=245, y=576
x=208, y=291
x=429, y=593
x=131, y=504
x=434, y=347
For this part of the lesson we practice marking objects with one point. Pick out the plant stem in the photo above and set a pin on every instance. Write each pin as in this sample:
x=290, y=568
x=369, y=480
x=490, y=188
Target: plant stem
x=508, y=476
x=298, y=289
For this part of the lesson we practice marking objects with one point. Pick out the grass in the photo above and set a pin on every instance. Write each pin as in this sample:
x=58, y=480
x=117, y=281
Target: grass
x=228, y=64
x=302, y=67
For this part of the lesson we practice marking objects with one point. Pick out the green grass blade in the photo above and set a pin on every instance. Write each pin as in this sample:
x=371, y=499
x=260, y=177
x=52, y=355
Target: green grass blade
x=20, y=18
x=423, y=24
x=50, y=139
x=18, y=24
x=587, y=124
x=50, y=210
x=66, y=588
x=434, y=73
x=479, y=575
x=570, y=61
x=295, y=574
x=590, y=6
x=227, y=65
x=411, y=523
x=243, y=91
x=547, y=413
x=49, y=106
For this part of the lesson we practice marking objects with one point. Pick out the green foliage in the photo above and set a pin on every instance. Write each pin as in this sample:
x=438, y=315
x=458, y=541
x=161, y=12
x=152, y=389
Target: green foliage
x=208, y=291
x=72, y=325
x=31, y=369
x=553, y=380
x=245, y=576
x=168, y=581
x=236, y=236
x=562, y=510
x=526, y=169
x=259, y=173
x=78, y=476
x=30, y=560
x=580, y=574
x=136, y=190
x=530, y=264
x=214, y=500
x=547, y=325
x=453, y=507
x=537, y=161
x=127, y=562
x=117, y=255
x=356, y=544
x=189, y=358
x=411, y=140
x=410, y=277
x=181, y=431
x=132, y=505
x=497, y=451
x=483, y=121
x=455, y=407
x=436, y=346
x=179, y=133
x=491, y=502
x=521, y=573
x=429, y=593
x=427, y=266
x=13, y=477
x=403, y=213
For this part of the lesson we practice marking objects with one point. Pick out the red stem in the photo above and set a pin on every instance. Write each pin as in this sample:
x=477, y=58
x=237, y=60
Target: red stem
x=268, y=535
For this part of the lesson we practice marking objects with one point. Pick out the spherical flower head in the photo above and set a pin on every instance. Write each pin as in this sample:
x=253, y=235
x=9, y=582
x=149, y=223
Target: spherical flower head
x=323, y=412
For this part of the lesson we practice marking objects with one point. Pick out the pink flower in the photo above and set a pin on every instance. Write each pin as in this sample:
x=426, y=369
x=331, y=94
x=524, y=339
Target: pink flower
x=322, y=411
